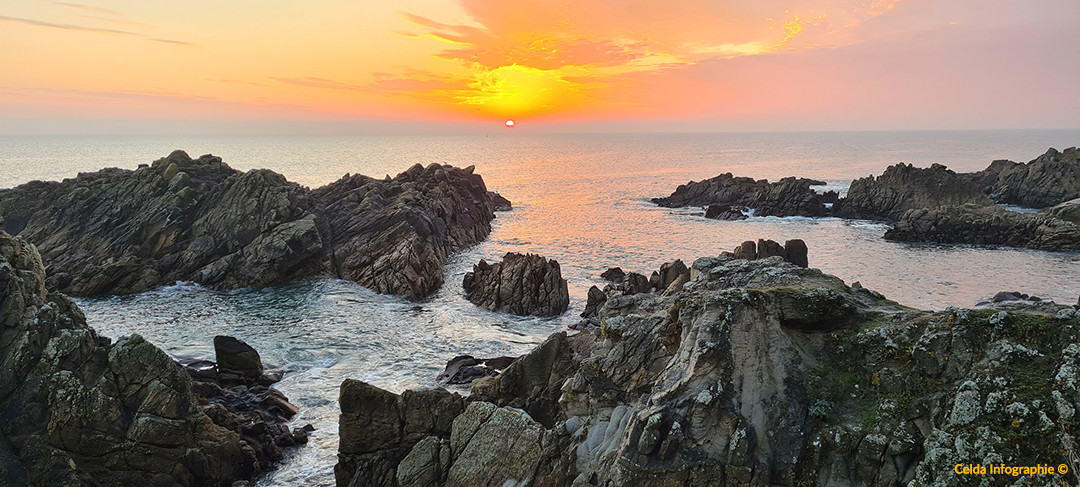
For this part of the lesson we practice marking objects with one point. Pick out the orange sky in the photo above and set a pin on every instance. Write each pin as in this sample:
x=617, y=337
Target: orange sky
x=727, y=65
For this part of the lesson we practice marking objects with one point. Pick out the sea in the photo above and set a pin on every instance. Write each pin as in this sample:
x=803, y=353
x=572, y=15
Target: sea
x=582, y=199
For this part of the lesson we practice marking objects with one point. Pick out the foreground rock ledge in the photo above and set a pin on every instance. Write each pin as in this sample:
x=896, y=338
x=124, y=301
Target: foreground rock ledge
x=117, y=231
x=80, y=410
x=758, y=372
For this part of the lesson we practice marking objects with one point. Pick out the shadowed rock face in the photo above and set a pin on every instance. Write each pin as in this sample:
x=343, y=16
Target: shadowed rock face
x=117, y=231
x=522, y=284
x=80, y=410
x=786, y=197
x=987, y=225
x=904, y=187
x=760, y=373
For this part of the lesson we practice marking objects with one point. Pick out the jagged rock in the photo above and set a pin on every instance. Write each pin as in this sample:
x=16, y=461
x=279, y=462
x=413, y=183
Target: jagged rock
x=594, y=301
x=501, y=203
x=987, y=225
x=236, y=360
x=1050, y=179
x=787, y=197
x=634, y=283
x=764, y=373
x=613, y=274
x=793, y=251
x=81, y=410
x=378, y=429
x=725, y=212
x=464, y=369
x=1068, y=211
x=181, y=219
x=903, y=187
x=522, y=284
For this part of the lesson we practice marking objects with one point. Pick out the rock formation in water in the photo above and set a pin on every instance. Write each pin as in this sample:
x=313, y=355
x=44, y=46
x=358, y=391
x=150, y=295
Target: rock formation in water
x=726, y=212
x=464, y=369
x=793, y=251
x=904, y=187
x=757, y=373
x=1049, y=179
x=522, y=284
x=986, y=225
x=117, y=231
x=786, y=197
x=78, y=409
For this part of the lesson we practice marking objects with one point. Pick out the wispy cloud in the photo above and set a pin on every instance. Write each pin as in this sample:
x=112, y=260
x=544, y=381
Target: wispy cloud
x=90, y=9
x=324, y=83
x=84, y=28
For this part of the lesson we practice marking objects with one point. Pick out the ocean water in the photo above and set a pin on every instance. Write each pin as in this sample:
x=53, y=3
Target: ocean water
x=581, y=199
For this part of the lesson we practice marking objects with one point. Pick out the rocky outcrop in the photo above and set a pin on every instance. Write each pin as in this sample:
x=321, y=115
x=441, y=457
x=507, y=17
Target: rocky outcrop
x=725, y=212
x=614, y=274
x=1050, y=179
x=81, y=410
x=904, y=187
x=464, y=369
x=987, y=225
x=181, y=219
x=1068, y=211
x=764, y=373
x=786, y=197
x=793, y=251
x=522, y=284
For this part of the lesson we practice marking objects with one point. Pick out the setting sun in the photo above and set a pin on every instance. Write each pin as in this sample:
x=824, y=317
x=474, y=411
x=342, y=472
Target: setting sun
x=510, y=123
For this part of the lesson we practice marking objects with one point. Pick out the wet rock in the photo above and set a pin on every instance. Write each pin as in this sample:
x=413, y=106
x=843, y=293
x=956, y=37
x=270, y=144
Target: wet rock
x=904, y=187
x=464, y=369
x=786, y=197
x=793, y=251
x=1050, y=179
x=725, y=212
x=989, y=225
x=501, y=203
x=522, y=284
x=236, y=360
x=80, y=409
x=613, y=274
x=182, y=219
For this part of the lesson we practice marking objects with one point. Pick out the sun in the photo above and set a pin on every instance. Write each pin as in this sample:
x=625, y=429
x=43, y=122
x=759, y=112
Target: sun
x=509, y=124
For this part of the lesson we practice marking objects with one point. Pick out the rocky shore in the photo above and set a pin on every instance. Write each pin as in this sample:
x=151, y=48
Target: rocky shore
x=79, y=409
x=181, y=219
x=756, y=372
x=934, y=204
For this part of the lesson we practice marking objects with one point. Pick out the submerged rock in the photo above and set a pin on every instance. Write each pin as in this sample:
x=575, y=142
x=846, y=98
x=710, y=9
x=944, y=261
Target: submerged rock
x=181, y=219
x=757, y=373
x=81, y=410
x=522, y=284
x=786, y=197
x=904, y=187
x=987, y=225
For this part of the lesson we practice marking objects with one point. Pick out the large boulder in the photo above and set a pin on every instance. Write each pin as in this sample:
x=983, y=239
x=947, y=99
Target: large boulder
x=904, y=187
x=787, y=197
x=987, y=225
x=81, y=410
x=1049, y=179
x=182, y=219
x=522, y=284
x=236, y=360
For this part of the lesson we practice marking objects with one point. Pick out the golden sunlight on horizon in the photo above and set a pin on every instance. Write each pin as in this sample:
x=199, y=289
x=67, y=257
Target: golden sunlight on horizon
x=486, y=61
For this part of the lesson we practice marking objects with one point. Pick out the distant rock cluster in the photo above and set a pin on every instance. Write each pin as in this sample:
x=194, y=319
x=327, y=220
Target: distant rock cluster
x=182, y=219
x=931, y=204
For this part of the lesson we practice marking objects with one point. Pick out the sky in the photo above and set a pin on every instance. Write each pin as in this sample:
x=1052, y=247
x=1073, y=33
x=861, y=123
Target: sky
x=426, y=65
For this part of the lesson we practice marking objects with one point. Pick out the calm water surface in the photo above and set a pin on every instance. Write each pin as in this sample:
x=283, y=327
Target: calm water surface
x=581, y=199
